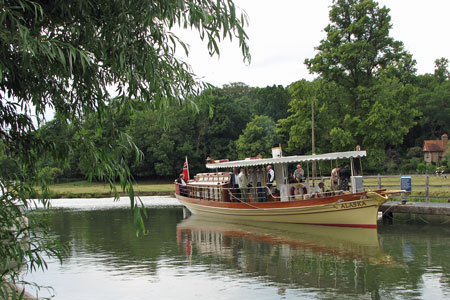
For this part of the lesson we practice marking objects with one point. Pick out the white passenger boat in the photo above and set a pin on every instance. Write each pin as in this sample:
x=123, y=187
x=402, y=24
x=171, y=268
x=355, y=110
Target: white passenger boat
x=210, y=194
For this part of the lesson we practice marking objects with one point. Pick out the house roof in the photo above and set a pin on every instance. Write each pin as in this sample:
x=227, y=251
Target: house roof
x=433, y=146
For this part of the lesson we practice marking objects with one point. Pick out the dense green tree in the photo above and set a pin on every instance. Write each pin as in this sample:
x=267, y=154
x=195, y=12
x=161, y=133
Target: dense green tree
x=296, y=129
x=66, y=55
x=234, y=90
x=271, y=101
x=433, y=99
x=358, y=46
x=165, y=141
x=371, y=72
x=258, y=137
x=229, y=116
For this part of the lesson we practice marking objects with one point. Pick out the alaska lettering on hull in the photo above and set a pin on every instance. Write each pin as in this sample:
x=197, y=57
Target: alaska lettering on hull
x=354, y=204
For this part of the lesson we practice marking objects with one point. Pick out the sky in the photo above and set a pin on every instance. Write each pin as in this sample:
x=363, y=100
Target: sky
x=283, y=33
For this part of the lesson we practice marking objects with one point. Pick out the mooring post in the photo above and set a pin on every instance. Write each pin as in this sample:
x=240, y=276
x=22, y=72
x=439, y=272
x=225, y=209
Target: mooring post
x=427, y=188
x=379, y=182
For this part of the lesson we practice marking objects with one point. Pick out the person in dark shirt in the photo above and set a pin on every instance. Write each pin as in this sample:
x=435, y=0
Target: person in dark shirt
x=344, y=176
x=234, y=185
x=180, y=180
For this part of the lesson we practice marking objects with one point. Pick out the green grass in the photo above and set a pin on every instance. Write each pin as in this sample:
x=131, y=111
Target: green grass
x=439, y=186
x=85, y=189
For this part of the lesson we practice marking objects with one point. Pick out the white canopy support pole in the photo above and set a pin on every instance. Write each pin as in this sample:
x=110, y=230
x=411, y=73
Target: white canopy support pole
x=351, y=166
x=360, y=165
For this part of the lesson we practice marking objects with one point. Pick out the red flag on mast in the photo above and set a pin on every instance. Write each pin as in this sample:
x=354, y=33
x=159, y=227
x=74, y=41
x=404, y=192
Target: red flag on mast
x=186, y=170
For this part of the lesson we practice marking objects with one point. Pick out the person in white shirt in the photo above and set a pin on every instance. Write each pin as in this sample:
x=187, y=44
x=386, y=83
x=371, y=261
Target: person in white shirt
x=270, y=178
x=318, y=190
x=243, y=184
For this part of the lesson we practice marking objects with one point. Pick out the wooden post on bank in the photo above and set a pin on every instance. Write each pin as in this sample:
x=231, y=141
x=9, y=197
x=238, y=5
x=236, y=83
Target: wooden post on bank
x=379, y=182
x=427, y=188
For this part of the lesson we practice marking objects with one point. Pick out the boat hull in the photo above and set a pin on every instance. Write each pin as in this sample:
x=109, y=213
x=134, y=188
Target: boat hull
x=356, y=211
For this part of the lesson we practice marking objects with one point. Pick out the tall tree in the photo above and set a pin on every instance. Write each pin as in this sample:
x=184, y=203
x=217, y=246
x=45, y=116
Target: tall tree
x=371, y=72
x=358, y=46
x=258, y=137
x=433, y=99
x=66, y=56
x=272, y=101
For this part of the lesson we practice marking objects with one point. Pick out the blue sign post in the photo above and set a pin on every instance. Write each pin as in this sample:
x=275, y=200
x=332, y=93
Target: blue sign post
x=406, y=183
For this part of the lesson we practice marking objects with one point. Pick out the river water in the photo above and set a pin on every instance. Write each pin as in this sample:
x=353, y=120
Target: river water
x=192, y=258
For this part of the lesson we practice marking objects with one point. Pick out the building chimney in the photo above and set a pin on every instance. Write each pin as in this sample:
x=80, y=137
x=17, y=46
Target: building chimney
x=444, y=139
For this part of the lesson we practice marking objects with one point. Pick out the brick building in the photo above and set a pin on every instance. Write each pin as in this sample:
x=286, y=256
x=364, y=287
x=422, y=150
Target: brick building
x=433, y=150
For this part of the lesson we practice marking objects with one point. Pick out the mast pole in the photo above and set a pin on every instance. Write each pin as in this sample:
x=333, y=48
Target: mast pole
x=313, y=139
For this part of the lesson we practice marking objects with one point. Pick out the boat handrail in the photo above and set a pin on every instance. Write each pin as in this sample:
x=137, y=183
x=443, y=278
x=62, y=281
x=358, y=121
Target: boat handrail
x=223, y=193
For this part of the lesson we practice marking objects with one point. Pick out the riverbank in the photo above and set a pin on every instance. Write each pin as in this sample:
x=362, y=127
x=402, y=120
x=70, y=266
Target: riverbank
x=85, y=189
x=439, y=188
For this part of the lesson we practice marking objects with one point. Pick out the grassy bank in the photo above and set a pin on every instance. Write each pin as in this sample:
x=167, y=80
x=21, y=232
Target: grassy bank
x=439, y=187
x=85, y=189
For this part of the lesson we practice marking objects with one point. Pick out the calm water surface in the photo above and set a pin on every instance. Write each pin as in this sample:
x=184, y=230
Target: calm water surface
x=193, y=258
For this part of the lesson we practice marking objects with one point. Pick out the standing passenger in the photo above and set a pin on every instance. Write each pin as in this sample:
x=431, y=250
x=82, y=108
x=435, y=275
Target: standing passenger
x=252, y=180
x=182, y=184
x=243, y=184
x=270, y=177
x=234, y=185
x=335, y=178
x=344, y=175
x=260, y=182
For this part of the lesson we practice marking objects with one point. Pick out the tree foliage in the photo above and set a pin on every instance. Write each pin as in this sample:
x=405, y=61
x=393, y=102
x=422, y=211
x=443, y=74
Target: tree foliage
x=374, y=103
x=258, y=137
x=66, y=56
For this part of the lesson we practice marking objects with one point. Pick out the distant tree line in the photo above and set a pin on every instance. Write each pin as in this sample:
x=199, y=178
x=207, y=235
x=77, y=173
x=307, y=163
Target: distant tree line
x=390, y=120
x=366, y=93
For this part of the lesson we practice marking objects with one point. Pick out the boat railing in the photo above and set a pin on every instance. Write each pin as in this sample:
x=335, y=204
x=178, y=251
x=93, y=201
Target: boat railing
x=223, y=193
x=315, y=195
x=252, y=194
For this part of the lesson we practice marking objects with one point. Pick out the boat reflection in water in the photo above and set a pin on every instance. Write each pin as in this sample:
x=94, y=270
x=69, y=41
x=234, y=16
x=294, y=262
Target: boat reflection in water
x=303, y=255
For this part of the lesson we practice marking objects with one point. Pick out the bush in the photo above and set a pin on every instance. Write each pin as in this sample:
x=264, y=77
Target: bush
x=421, y=168
x=50, y=175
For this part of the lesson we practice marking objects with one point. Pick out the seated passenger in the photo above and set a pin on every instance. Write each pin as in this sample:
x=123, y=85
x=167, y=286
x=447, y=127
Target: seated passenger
x=318, y=190
x=299, y=174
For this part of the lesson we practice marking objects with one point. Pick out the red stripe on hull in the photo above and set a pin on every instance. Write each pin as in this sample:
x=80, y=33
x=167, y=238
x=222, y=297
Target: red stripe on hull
x=340, y=225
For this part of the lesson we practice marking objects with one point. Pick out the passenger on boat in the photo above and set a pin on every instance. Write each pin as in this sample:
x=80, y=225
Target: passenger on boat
x=335, y=178
x=243, y=184
x=318, y=190
x=299, y=174
x=260, y=182
x=270, y=178
x=252, y=182
x=344, y=176
x=234, y=184
x=180, y=180
x=251, y=177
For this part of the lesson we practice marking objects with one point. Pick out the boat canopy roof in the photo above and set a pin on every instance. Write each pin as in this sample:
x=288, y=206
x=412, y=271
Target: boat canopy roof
x=287, y=159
